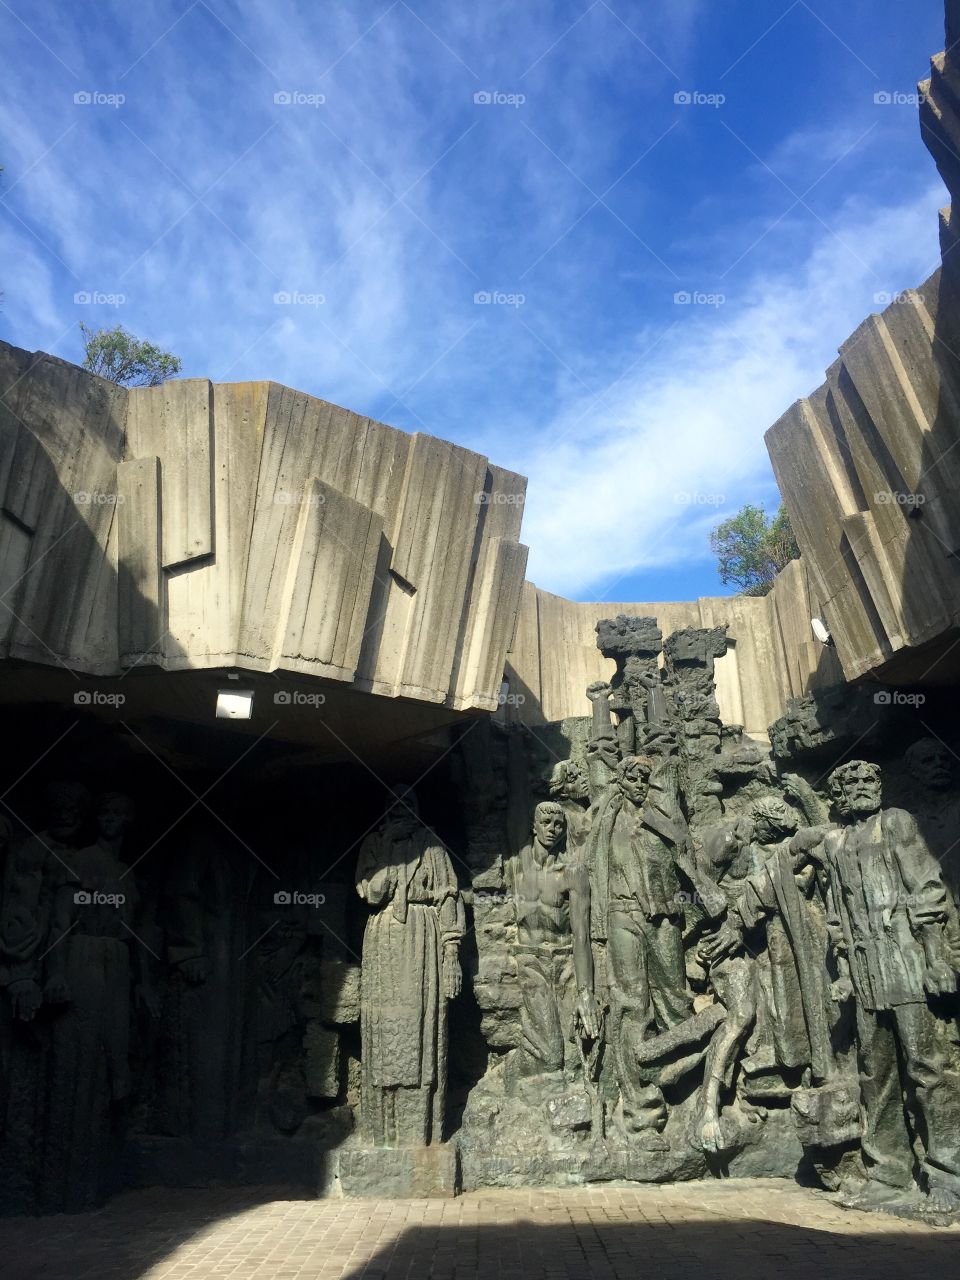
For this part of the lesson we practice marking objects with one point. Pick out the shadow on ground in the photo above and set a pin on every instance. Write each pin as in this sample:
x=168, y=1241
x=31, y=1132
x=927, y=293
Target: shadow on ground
x=653, y=1233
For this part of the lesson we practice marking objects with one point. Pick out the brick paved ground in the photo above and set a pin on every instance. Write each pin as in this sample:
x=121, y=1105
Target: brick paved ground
x=709, y=1231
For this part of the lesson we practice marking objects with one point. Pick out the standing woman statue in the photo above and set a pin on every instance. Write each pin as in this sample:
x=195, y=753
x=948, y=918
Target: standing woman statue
x=410, y=969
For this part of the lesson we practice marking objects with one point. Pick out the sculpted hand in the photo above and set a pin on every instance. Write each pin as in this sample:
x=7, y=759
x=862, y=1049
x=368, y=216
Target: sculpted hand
x=452, y=975
x=194, y=971
x=597, y=691
x=56, y=991
x=841, y=990
x=940, y=980
x=25, y=998
x=724, y=942
x=148, y=999
x=588, y=1012
x=793, y=785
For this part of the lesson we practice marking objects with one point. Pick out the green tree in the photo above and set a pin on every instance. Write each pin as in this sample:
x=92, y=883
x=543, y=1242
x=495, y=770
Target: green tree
x=116, y=354
x=751, y=548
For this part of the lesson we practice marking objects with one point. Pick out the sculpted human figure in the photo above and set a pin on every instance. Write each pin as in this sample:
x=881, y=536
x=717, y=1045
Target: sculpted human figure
x=937, y=804
x=39, y=882
x=636, y=837
x=768, y=954
x=89, y=1070
x=206, y=1067
x=551, y=893
x=37, y=901
x=570, y=787
x=410, y=969
x=889, y=908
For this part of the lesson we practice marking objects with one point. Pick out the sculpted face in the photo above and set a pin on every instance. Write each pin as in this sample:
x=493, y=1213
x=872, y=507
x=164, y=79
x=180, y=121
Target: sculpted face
x=113, y=816
x=856, y=788
x=773, y=820
x=577, y=786
x=549, y=825
x=930, y=764
x=634, y=784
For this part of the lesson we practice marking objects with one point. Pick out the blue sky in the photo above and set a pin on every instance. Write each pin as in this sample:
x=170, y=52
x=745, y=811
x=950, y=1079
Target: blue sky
x=578, y=164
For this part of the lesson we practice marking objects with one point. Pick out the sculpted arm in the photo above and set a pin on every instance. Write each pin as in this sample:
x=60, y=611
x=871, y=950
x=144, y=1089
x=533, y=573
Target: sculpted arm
x=376, y=878
x=588, y=1010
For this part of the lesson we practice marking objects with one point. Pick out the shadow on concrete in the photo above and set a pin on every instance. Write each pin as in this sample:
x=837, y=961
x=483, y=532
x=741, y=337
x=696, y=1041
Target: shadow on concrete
x=141, y=1231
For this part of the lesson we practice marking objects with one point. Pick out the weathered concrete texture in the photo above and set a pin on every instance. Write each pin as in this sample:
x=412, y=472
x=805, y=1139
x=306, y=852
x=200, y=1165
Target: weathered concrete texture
x=391, y=1173
x=218, y=525
x=869, y=473
x=772, y=654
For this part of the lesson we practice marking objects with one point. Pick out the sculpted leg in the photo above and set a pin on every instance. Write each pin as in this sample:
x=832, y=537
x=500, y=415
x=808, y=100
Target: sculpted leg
x=926, y=1056
x=736, y=985
x=541, y=1035
x=887, y=1153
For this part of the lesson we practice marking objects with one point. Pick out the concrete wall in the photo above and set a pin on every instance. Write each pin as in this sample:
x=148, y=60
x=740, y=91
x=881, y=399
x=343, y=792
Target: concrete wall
x=772, y=656
x=217, y=525
x=868, y=464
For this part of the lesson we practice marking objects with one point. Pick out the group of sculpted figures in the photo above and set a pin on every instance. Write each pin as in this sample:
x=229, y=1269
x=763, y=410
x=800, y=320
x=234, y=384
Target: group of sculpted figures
x=800, y=946
x=702, y=954
x=811, y=943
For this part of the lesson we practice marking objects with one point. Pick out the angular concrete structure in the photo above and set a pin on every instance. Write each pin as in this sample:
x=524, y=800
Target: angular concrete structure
x=247, y=526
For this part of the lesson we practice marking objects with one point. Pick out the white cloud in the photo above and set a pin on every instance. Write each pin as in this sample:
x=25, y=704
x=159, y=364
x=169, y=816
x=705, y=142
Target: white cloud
x=688, y=419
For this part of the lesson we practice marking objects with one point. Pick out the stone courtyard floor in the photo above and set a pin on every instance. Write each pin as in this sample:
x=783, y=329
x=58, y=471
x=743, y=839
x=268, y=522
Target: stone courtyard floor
x=744, y=1230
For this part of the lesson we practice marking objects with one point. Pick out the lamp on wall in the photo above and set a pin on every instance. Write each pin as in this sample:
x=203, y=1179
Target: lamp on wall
x=234, y=704
x=821, y=631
